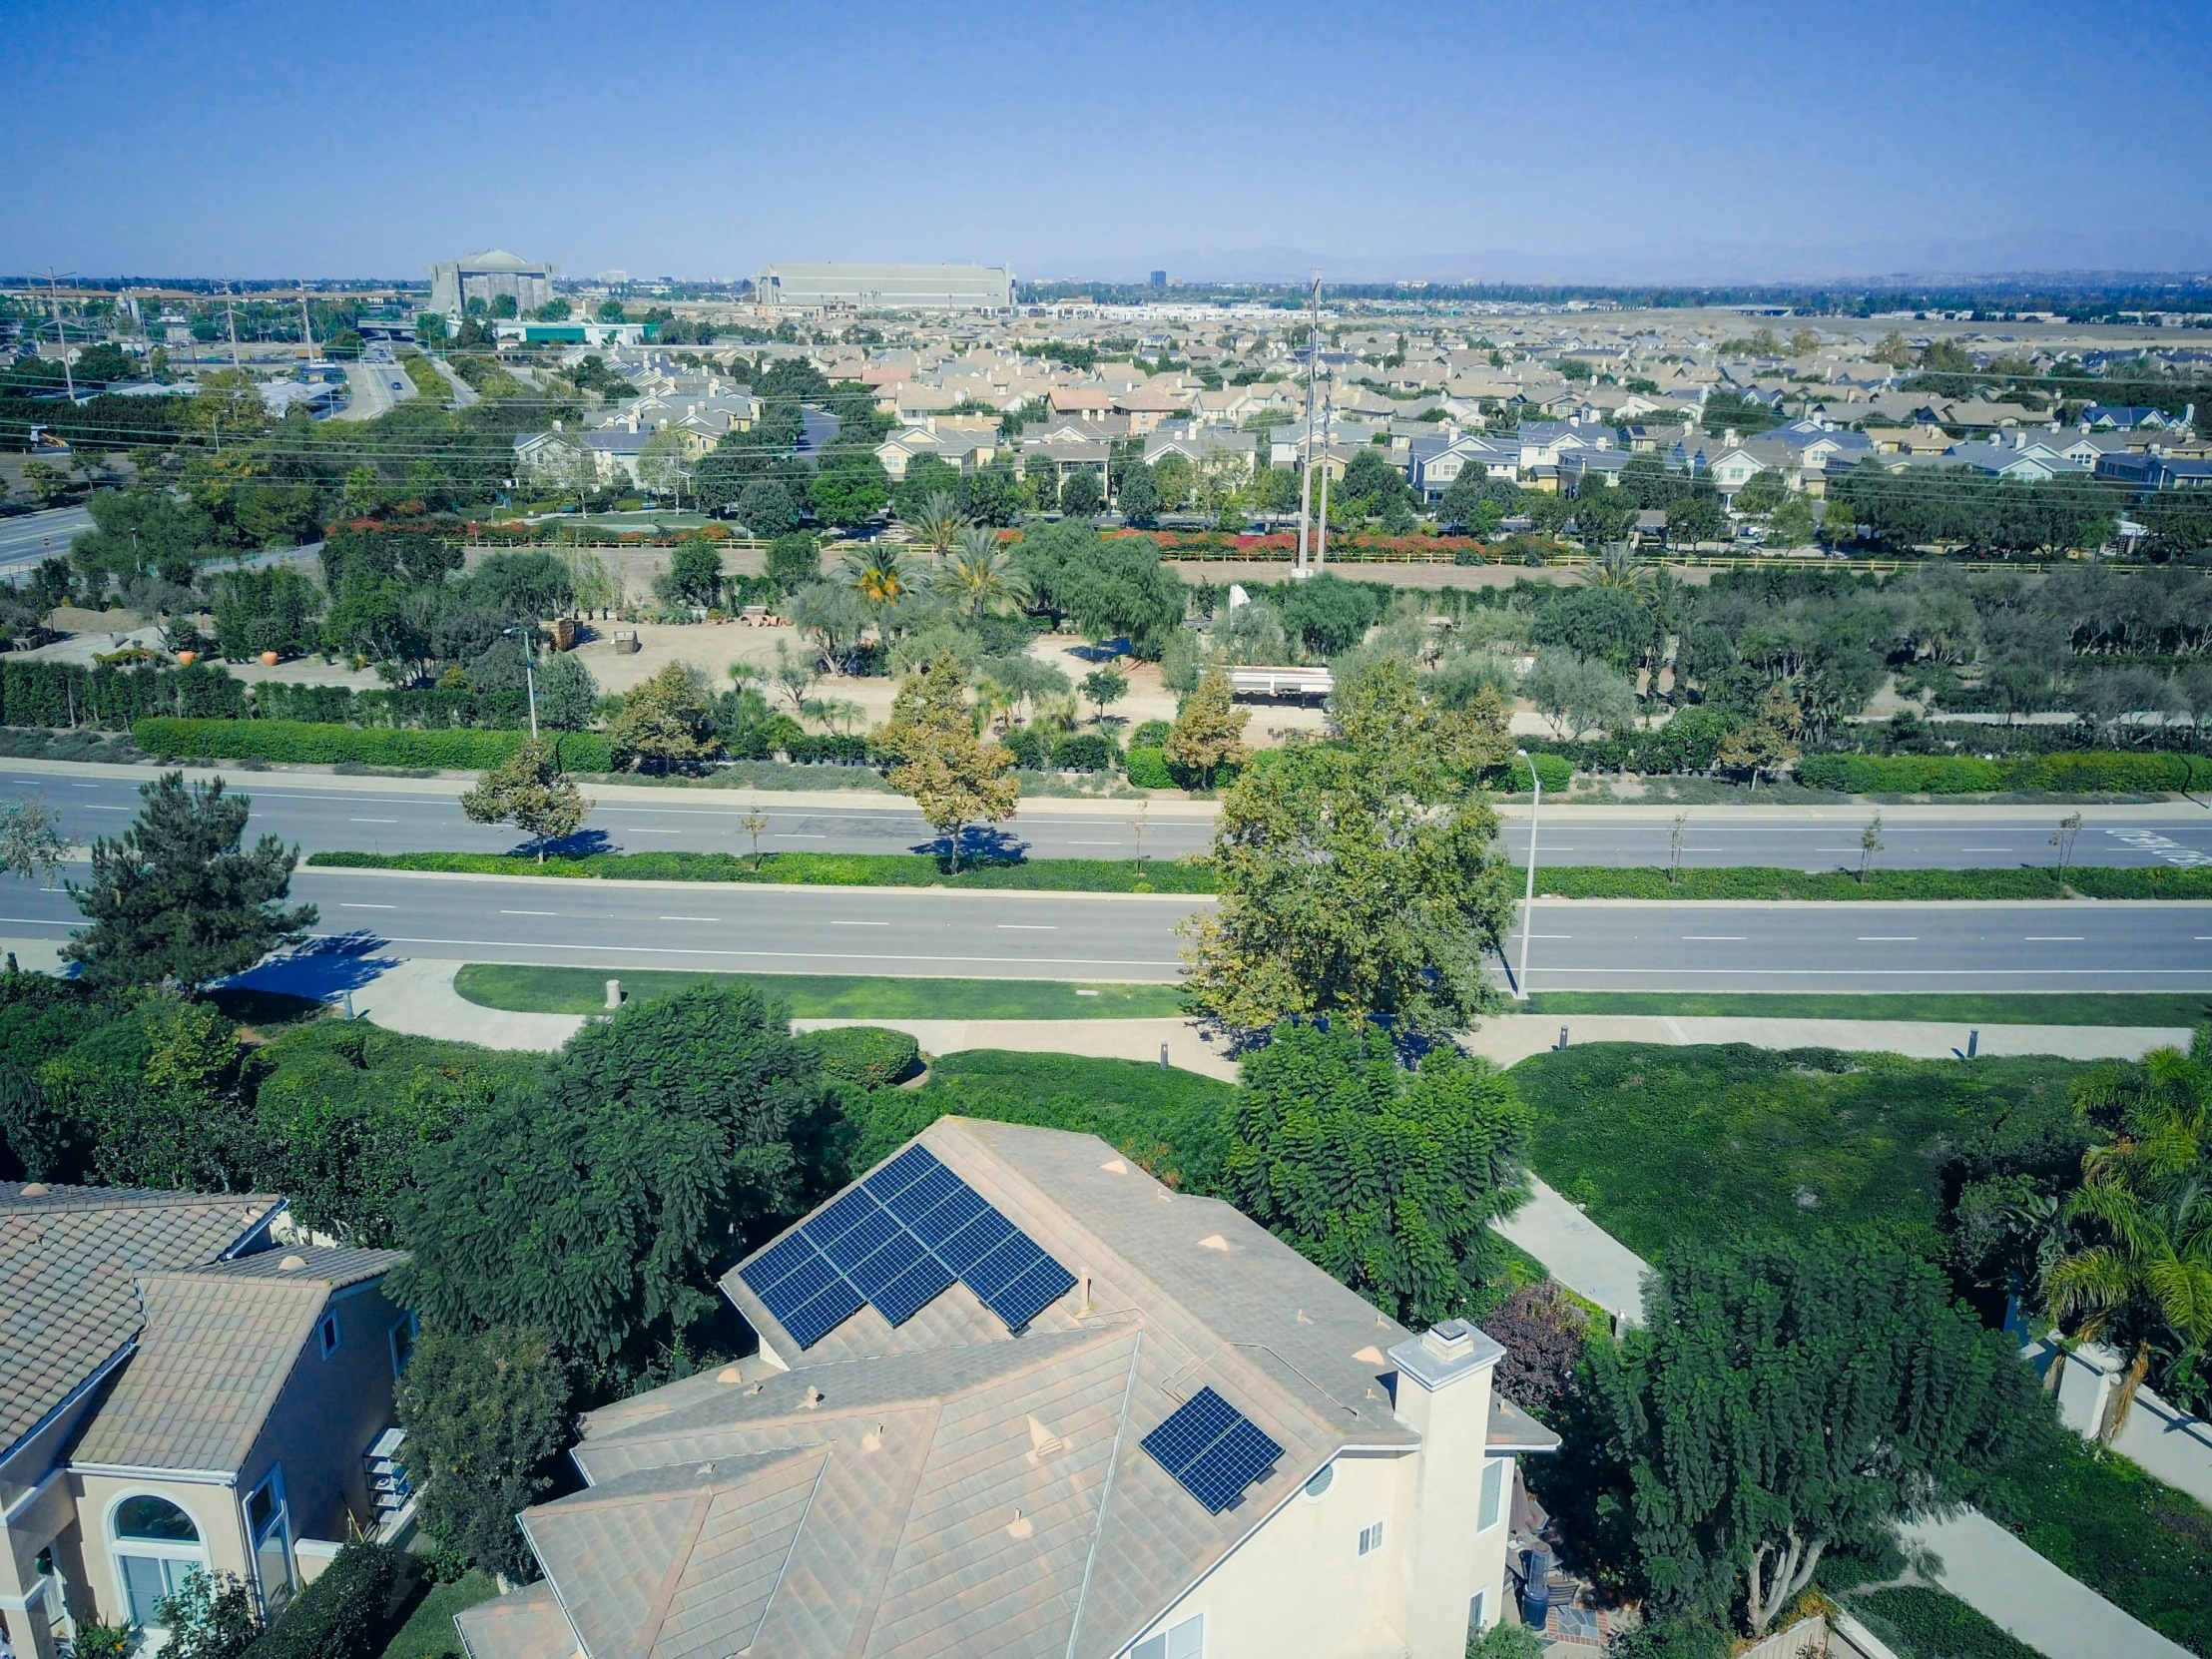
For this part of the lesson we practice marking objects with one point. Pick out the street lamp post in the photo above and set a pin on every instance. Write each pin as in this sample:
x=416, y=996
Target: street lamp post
x=530, y=684
x=1528, y=903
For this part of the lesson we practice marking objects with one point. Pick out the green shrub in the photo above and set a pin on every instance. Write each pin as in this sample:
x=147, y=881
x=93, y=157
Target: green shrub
x=1148, y=768
x=450, y=749
x=1751, y=881
x=1553, y=772
x=873, y=1056
x=1150, y=733
x=822, y=870
x=1086, y=752
x=341, y=1615
x=2072, y=773
x=1920, y=1623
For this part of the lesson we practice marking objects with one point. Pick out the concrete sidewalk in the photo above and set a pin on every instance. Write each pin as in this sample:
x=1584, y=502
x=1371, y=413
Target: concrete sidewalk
x=1993, y=1572
x=1578, y=1253
x=1509, y=1038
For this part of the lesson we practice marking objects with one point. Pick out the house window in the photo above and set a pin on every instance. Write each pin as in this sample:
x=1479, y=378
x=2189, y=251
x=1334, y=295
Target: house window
x=156, y=1545
x=1371, y=1538
x=403, y=1343
x=328, y=1333
x=1493, y=1492
x=1476, y=1609
x=1182, y=1641
x=267, y=1524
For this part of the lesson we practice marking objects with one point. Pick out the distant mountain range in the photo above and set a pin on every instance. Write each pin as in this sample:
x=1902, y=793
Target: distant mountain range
x=2046, y=254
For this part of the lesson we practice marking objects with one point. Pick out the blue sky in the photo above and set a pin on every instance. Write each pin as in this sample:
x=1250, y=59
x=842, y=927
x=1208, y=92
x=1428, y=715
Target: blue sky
x=703, y=139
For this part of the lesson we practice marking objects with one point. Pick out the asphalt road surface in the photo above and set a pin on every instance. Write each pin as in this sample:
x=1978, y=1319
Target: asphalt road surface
x=376, y=389
x=1573, y=947
x=94, y=801
x=319, y=817
x=26, y=540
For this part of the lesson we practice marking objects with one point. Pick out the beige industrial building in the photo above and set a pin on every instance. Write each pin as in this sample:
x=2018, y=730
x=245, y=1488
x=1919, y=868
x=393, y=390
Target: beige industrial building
x=888, y=287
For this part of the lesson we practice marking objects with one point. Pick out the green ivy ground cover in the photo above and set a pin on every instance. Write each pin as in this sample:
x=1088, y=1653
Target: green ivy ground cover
x=1668, y=1144
x=576, y=990
x=429, y=1632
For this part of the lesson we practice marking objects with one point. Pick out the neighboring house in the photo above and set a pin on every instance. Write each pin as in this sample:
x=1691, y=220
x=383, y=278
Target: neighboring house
x=1602, y=467
x=2027, y=461
x=545, y=456
x=1434, y=462
x=1016, y=1397
x=178, y=1391
x=613, y=451
x=2148, y=471
x=1069, y=454
x=2109, y=417
x=1083, y=403
x=1203, y=444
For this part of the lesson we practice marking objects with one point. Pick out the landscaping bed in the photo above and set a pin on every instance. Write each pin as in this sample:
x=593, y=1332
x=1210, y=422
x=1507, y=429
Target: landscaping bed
x=2167, y=1008
x=576, y=990
x=824, y=869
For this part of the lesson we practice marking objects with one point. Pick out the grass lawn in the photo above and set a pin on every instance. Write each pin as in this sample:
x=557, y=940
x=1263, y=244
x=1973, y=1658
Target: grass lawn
x=576, y=990
x=429, y=1631
x=816, y=869
x=1664, y=1144
x=1174, y=1123
x=1922, y=1623
x=1994, y=1008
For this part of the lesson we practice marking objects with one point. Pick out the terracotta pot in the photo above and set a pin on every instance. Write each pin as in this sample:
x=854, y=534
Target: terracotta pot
x=269, y=659
x=188, y=657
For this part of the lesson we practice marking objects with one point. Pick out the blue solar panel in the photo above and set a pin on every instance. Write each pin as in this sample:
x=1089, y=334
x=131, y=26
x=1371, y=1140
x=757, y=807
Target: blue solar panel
x=777, y=1261
x=900, y=1253
x=910, y=1166
x=856, y=1206
x=836, y=1303
x=975, y=1241
x=937, y=1225
x=785, y=1295
x=1014, y=1256
x=921, y=1197
x=1213, y=1449
x=1030, y=1295
x=912, y=1290
x=868, y=1233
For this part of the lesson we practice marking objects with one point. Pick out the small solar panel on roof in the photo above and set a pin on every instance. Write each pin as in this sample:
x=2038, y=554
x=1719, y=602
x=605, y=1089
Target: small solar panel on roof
x=837, y=1303
x=1213, y=1449
x=868, y=1232
x=870, y=1275
x=910, y=1166
x=975, y=1241
x=914, y=1290
x=1039, y=1288
x=937, y=1225
x=856, y=1206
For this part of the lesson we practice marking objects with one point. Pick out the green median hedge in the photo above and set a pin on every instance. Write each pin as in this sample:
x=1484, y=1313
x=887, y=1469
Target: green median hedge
x=1755, y=882
x=2088, y=772
x=822, y=870
x=452, y=749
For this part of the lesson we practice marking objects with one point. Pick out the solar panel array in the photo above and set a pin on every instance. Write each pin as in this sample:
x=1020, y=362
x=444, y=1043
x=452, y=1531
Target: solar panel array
x=897, y=1240
x=1214, y=1449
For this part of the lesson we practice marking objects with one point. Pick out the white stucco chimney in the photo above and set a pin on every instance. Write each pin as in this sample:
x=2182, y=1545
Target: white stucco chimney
x=1443, y=1395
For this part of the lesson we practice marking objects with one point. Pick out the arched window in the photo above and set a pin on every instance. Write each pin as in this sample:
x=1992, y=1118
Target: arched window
x=156, y=1545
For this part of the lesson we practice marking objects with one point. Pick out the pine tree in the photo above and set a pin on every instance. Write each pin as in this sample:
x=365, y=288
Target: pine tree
x=177, y=898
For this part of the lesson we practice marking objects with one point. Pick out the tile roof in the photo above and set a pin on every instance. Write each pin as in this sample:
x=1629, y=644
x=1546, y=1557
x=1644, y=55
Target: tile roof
x=945, y=1487
x=69, y=1256
x=219, y=1344
x=527, y=1624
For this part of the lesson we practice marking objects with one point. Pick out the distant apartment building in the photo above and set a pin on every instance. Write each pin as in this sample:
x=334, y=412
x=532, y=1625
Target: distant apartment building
x=893, y=287
x=486, y=277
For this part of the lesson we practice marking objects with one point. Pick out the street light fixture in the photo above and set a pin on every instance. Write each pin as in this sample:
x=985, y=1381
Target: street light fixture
x=1528, y=903
x=530, y=684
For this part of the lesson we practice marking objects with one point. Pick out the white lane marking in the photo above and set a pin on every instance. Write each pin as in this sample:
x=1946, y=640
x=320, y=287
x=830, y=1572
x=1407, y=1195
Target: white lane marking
x=1028, y=928
x=839, y=956
x=1548, y=936
x=1713, y=939
x=1889, y=938
x=96, y=806
x=2054, y=938
x=36, y=922
x=1094, y=843
x=797, y=836
x=651, y=829
x=529, y=912
x=691, y=918
x=859, y=925
x=83, y=786
x=372, y=820
x=369, y=906
x=1985, y=850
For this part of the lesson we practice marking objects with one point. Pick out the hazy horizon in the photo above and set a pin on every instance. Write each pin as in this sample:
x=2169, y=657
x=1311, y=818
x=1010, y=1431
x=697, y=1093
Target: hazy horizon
x=1714, y=143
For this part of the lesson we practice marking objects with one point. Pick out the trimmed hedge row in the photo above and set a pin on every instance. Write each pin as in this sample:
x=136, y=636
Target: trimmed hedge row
x=1754, y=881
x=450, y=749
x=343, y=1614
x=2086, y=771
x=111, y=698
x=822, y=870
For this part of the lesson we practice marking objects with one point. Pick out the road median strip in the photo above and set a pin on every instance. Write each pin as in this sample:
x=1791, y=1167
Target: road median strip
x=1195, y=876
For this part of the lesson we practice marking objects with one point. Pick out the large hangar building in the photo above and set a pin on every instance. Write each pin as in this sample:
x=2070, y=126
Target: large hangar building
x=887, y=288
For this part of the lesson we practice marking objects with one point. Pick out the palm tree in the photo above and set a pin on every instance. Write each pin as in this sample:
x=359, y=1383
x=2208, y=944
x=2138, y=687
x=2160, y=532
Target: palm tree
x=978, y=573
x=875, y=574
x=939, y=525
x=1618, y=565
x=2139, y=1266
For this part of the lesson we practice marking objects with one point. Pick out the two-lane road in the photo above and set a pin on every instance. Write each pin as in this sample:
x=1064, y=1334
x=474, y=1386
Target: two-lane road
x=1600, y=945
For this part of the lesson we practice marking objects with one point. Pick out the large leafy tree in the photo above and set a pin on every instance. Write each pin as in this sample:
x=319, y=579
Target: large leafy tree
x=666, y=723
x=1788, y=1397
x=177, y=898
x=956, y=775
x=1208, y=732
x=2136, y=1263
x=1360, y=877
x=1387, y=1178
x=484, y=1413
x=595, y=1211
